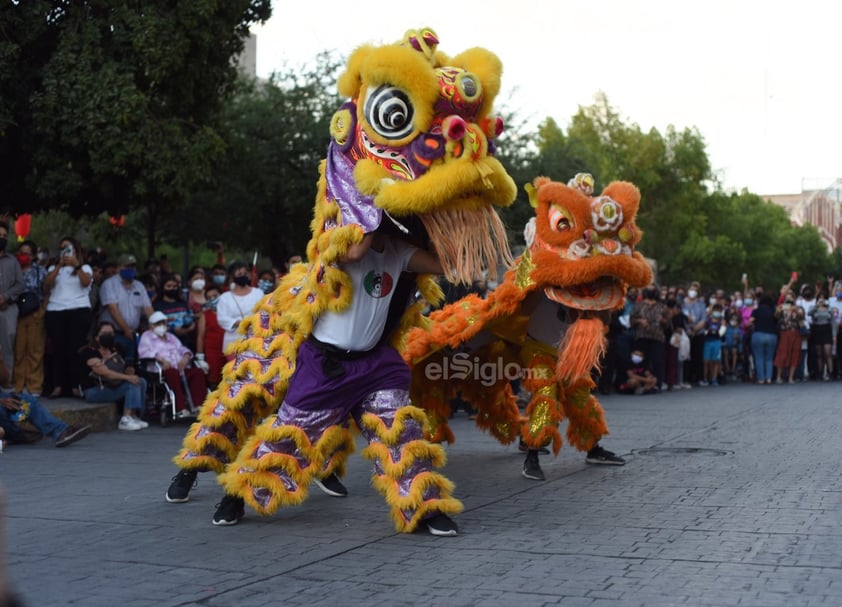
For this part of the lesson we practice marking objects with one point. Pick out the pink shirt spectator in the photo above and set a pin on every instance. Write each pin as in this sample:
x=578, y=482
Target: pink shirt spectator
x=745, y=315
x=167, y=348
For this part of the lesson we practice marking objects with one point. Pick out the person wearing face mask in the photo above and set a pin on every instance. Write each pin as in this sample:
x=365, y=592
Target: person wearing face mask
x=266, y=281
x=159, y=343
x=219, y=277
x=68, y=317
x=823, y=331
x=180, y=319
x=788, y=354
x=31, y=333
x=638, y=376
x=209, y=338
x=237, y=303
x=834, y=302
x=650, y=320
x=196, y=284
x=124, y=304
x=712, y=353
x=732, y=345
x=11, y=286
x=695, y=310
x=111, y=380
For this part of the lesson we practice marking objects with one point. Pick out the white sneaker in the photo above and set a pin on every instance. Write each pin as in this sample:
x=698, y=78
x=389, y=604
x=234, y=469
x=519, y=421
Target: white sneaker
x=140, y=422
x=129, y=424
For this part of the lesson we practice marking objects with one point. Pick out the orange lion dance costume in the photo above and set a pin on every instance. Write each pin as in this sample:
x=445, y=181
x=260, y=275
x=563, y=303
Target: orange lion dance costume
x=579, y=262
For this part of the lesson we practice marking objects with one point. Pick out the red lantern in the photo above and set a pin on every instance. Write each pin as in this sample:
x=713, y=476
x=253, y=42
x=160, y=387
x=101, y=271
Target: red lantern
x=22, y=226
x=117, y=222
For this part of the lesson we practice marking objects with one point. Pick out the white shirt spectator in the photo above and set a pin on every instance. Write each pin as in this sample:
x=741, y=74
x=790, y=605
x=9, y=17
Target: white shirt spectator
x=67, y=292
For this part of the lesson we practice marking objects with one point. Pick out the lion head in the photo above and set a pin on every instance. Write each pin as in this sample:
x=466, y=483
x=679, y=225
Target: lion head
x=582, y=246
x=416, y=138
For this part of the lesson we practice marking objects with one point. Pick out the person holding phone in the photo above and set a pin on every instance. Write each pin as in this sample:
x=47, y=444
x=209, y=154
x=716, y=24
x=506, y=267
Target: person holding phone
x=68, y=316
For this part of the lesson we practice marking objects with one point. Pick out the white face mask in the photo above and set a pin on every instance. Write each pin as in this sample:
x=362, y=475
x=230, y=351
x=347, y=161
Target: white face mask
x=198, y=284
x=712, y=300
x=637, y=359
x=739, y=303
x=160, y=330
x=692, y=293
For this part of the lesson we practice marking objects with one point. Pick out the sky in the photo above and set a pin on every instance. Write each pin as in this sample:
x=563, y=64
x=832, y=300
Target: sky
x=759, y=80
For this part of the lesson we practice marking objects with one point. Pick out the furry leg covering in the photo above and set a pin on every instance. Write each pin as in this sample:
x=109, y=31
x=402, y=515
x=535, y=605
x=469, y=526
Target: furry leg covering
x=277, y=464
x=404, y=460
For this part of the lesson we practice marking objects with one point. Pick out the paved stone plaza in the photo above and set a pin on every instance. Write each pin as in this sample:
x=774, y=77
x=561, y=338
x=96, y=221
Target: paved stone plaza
x=731, y=496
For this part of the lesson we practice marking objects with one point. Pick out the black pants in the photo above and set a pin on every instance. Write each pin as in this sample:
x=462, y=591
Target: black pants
x=67, y=332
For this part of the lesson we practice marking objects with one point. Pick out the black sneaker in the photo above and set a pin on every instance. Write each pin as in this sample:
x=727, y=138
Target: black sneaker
x=71, y=434
x=441, y=525
x=331, y=485
x=229, y=511
x=598, y=455
x=523, y=448
x=182, y=483
x=531, y=467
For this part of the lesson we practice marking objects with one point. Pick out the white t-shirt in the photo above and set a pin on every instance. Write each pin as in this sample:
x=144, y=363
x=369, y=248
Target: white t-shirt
x=67, y=292
x=374, y=279
x=232, y=309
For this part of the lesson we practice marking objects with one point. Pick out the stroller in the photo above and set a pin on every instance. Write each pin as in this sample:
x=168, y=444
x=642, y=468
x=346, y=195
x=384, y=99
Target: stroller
x=160, y=398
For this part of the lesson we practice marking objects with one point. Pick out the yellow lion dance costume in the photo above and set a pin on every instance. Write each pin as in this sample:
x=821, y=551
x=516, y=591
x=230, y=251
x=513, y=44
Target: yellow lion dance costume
x=413, y=145
x=579, y=262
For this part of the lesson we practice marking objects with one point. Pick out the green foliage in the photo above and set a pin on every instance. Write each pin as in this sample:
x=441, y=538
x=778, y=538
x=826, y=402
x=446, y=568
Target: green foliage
x=115, y=105
x=264, y=186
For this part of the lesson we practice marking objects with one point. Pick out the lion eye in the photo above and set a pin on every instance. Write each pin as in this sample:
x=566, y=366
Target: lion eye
x=558, y=221
x=389, y=111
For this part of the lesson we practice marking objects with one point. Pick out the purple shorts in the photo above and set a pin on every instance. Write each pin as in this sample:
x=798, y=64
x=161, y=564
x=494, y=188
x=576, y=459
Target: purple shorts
x=309, y=389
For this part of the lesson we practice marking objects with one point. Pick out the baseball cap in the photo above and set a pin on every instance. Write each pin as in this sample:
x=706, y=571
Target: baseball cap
x=127, y=259
x=157, y=317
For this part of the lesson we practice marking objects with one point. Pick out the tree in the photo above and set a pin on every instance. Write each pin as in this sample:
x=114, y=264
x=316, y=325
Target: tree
x=114, y=105
x=264, y=186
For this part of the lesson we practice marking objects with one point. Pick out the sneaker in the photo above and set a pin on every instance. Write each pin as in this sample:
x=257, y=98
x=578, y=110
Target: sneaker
x=714, y=383
x=71, y=434
x=523, y=448
x=532, y=468
x=686, y=386
x=182, y=483
x=129, y=424
x=331, y=485
x=598, y=455
x=229, y=511
x=703, y=383
x=441, y=525
x=140, y=422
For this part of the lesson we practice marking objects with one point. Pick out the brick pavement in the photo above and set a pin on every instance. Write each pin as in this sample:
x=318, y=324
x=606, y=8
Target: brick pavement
x=731, y=496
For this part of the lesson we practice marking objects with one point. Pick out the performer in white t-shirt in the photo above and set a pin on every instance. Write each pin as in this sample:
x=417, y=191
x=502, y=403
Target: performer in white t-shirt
x=347, y=369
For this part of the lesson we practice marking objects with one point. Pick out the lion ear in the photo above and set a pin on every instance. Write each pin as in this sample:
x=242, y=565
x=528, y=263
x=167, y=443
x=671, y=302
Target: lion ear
x=350, y=81
x=627, y=194
x=532, y=192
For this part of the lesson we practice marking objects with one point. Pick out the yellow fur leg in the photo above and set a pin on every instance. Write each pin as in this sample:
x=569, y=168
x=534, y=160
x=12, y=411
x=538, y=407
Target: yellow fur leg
x=410, y=499
x=276, y=466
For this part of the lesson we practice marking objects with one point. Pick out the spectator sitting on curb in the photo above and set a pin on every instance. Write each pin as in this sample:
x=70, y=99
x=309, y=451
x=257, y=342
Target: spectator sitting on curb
x=17, y=410
x=639, y=378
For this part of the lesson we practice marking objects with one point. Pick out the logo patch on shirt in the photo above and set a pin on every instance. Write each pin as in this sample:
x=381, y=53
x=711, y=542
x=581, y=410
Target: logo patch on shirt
x=378, y=285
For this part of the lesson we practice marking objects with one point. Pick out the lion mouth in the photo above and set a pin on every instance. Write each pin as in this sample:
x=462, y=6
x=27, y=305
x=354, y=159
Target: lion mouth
x=604, y=293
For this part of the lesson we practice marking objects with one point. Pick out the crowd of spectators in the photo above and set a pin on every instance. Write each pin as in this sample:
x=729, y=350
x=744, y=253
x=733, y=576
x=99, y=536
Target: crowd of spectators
x=685, y=337
x=71, y=322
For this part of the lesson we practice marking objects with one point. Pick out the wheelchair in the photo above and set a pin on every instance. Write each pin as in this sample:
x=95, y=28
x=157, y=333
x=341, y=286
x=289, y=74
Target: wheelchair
x=160, y=398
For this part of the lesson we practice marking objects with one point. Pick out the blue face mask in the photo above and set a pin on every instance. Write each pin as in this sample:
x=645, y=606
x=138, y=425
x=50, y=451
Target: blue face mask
x=128, y=273
x=264, y=285
x=211, y=303
x=219, y=279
